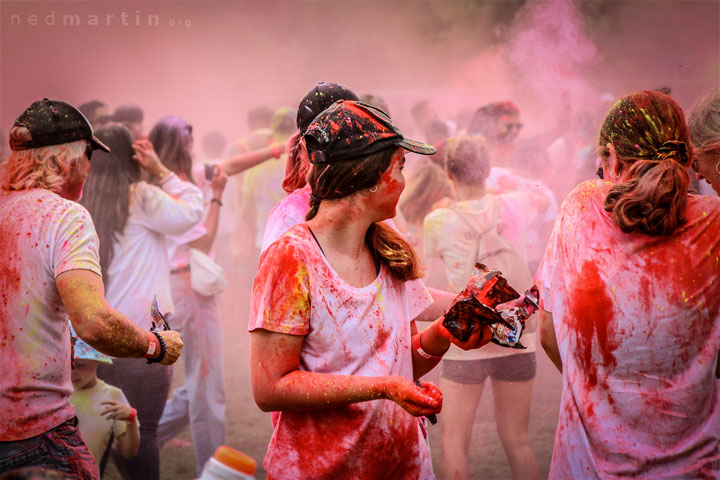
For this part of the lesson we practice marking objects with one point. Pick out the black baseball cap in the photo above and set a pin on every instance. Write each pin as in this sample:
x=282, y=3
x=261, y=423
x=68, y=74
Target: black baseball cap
x=350, y=129
x=52, y=122
x=318, y=99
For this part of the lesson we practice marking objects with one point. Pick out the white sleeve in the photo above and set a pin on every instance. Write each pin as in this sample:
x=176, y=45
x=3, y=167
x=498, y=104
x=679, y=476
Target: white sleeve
x=75, y=243
x=172, y=210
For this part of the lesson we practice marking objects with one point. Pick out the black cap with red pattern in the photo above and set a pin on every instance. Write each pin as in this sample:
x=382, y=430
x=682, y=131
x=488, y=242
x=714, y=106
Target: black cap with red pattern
x=52, y=122
x=318, y=99
x=350, y=129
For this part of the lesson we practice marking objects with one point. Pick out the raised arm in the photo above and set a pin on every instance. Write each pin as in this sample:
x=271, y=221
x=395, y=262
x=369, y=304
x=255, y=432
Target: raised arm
x=240, y=163
x=174, y=209
x=278, y=383
x=103, y=327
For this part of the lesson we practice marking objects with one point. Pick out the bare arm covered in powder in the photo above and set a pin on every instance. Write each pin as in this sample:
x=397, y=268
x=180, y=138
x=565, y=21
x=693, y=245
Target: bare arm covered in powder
x=102, y=327
x=240, y=163
x=278, y=383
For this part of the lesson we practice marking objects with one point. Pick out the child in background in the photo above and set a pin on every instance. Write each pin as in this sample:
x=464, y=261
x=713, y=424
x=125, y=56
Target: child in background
x=102, y=410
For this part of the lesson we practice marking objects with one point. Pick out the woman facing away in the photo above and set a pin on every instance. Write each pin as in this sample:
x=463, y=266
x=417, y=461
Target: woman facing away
x=334, y=346
x=292, y=209
x=487, y=227
x=704, y=123
x=132, y=218
x=200, y=401
x=630, y=306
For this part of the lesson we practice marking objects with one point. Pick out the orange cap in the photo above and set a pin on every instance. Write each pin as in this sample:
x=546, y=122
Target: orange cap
x=235, y=459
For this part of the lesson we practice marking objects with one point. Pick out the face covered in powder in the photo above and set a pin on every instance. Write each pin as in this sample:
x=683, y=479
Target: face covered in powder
x=389, y=187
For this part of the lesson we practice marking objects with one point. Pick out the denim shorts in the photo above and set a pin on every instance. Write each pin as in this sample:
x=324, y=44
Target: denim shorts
x=61, y=449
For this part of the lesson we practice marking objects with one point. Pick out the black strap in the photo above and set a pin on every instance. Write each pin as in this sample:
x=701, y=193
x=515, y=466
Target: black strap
x=377, y=263
x=106, y=455
x=316, y=241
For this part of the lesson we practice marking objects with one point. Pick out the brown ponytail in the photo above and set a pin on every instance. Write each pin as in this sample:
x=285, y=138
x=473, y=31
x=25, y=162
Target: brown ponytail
x=295, y=169
x=339, y=179
x=650, y=137
x=653, y=201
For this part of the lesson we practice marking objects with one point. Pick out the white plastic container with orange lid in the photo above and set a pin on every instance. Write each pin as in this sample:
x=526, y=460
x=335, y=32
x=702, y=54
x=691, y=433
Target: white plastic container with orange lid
x=229, y=464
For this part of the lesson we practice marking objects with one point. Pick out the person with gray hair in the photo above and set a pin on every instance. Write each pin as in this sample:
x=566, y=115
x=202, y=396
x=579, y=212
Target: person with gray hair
x=704, y=124
x=51, y=273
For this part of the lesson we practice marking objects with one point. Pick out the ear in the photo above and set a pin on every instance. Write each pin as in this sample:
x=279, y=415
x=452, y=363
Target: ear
x=613, y=162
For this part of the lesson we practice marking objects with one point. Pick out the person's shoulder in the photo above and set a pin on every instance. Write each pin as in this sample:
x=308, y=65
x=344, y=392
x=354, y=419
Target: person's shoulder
x=296, y=241
x=585, y=194
x=704, y=206
x=438, y=215
x=297, y=202
x=64, y=207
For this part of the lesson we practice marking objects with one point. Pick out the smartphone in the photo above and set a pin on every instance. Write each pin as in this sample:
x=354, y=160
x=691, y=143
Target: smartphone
x=208, y=171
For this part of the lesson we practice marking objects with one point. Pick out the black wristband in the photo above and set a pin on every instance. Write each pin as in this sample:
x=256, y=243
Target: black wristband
x=216, y=201
x=163, y=350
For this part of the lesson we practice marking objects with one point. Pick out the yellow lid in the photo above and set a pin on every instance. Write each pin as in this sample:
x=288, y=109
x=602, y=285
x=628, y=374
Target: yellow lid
x=235, y=459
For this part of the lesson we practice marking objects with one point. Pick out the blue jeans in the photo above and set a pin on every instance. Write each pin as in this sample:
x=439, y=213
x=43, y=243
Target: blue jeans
x=61, y=449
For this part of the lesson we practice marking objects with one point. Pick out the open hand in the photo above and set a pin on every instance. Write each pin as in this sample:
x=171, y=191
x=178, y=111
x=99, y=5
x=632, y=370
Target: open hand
x=418, y=401
x=116, y=410
x=147, y=158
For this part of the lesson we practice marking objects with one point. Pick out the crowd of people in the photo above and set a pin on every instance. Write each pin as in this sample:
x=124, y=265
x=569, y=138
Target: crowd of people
x=351, y=241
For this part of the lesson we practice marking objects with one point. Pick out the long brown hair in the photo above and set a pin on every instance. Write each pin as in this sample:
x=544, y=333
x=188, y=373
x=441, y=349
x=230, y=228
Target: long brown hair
x=648, y=132
x=339, y=179
x=107, y=190
x=171, y=138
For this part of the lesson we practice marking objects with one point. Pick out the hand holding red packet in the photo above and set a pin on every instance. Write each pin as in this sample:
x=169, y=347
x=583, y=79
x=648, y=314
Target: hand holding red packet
x=476, y=306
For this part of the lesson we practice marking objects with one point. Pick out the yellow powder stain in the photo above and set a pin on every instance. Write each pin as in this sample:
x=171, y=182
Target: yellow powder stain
x=613, y=293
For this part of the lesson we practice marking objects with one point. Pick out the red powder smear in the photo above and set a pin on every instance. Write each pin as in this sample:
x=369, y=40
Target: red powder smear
x=286, y=298
x=593, y=323
x=322, y=444
x=9, y=291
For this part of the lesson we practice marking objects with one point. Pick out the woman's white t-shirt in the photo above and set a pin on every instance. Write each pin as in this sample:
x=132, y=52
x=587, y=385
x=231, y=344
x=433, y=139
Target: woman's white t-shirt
x=348, y=331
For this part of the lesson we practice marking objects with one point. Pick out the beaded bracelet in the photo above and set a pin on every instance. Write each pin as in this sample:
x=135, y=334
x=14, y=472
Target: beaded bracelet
x=163, y=350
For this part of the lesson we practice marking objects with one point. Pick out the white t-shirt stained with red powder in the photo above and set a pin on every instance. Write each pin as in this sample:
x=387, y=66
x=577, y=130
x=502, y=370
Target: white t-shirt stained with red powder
x=637, y=320
x=41, y=236
x=348, y=331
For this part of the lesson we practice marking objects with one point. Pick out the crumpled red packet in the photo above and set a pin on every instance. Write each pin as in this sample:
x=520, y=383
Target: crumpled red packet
x=475, y=306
